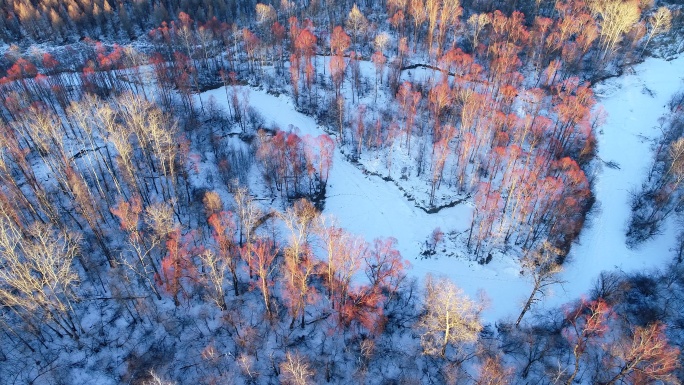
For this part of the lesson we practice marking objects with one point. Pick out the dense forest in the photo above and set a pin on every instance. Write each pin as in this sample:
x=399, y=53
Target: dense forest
x=157, y=228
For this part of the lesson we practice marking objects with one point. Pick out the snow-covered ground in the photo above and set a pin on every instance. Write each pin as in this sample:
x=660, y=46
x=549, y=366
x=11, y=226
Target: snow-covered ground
x=367, y=205
x=634, y=103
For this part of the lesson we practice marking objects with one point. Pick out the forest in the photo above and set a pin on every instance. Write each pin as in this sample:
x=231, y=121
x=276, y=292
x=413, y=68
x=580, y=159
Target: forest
x=170, y=172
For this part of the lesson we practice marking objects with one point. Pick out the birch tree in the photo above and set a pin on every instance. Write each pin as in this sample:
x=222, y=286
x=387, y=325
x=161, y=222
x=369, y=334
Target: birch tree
x=542, y=266
x=295, y=370
x=36, y=277
x=617, y=18
x=356, y=24
x=659, y=22
x=449, y=317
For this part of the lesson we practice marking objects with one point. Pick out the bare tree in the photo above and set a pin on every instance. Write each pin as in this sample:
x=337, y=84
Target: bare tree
x=299, y=263
x=156, y=139
x=542, y=266
x=143, y=246
x=295, y=370
x=660, y=22
x=157, y=380
x=356, y=24
x=264, y=252
x=212, y=203
x=477, y=22
x=449, y=317
x=266, y=14
x=299, y=219
x=214, y=273
x=36, y=277
x=344, y=254
x=617, y=18
x=248, y=213
x=587, y=323
x=675, y=170
x=159, y=218
x=493, y=372
x=646, y=357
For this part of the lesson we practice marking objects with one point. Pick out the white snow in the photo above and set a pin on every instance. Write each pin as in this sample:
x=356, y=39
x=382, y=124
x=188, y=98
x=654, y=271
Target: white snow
x=367, y=205
x=634, y=103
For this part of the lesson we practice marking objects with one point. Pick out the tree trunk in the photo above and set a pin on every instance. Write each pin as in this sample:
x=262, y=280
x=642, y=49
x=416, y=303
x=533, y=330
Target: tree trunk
x=528, y=304
x=574, y=373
